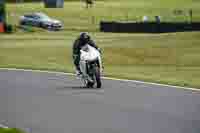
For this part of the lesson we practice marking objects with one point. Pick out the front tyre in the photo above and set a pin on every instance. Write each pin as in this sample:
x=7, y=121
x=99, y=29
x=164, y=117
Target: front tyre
x=98, y=77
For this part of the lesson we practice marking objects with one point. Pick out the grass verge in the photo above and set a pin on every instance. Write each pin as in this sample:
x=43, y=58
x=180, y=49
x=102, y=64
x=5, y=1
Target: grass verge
x=165, y=58
x=10, y=130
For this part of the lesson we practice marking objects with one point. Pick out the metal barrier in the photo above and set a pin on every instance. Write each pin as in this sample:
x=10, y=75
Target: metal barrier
x=151, y=27
x=54, y=3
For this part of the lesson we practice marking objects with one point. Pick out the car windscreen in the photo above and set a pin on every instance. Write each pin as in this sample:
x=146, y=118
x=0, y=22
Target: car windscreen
x=28, y=16
x=43, y=16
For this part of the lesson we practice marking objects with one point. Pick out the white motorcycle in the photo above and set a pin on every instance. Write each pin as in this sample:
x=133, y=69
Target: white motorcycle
x=91, y=66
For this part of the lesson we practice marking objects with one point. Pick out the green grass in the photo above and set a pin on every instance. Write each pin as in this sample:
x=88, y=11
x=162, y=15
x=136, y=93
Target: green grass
x=166, y=58
x=10, y=130
x=163, y=58
x=76, y=17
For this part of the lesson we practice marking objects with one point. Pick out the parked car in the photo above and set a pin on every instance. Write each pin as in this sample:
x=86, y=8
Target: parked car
x=41, y=20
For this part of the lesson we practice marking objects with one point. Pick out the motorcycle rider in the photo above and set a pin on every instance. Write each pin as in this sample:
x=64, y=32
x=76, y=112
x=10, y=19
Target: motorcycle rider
x=83, y=39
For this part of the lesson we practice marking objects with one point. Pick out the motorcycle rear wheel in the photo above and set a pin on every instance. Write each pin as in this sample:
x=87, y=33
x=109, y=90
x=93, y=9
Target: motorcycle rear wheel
x=90, y=85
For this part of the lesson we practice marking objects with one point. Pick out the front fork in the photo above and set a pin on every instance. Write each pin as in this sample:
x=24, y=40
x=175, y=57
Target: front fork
x=85, y=67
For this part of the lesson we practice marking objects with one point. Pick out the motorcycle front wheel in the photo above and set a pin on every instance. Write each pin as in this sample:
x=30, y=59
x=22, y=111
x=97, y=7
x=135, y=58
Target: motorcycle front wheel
x=98, y=77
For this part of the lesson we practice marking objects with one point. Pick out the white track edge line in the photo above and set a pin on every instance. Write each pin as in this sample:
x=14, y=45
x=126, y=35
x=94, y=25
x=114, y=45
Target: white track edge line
x=109, y=78
x=2, y=126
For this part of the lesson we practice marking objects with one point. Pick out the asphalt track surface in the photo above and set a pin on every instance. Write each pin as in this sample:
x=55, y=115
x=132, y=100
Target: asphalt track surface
x=55, y=103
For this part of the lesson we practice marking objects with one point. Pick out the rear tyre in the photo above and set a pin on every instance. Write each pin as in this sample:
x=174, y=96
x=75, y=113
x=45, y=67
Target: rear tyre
x=98, y=77
x=90, y=85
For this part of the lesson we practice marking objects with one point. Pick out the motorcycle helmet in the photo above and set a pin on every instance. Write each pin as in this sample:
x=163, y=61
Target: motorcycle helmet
x=84, y=36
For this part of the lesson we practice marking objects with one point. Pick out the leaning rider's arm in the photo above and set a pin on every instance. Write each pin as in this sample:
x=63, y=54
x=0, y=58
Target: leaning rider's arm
x=75, y=47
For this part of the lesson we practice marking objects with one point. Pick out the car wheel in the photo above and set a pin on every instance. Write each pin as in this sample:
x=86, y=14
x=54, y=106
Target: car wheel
x=41, y=25
x=44, y=26
x=22, y=23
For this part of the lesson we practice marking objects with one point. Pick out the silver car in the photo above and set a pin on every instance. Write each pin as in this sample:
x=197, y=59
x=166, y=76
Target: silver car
x=41, y=20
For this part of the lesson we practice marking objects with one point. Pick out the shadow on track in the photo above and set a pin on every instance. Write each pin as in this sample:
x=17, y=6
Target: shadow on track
x=77, y=90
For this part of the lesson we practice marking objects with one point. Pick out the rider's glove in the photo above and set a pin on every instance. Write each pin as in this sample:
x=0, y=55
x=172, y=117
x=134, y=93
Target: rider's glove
x=78, y=73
